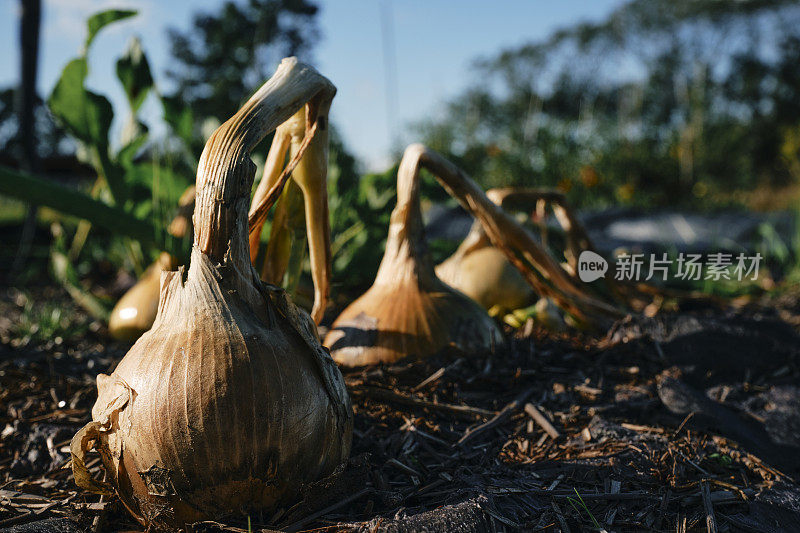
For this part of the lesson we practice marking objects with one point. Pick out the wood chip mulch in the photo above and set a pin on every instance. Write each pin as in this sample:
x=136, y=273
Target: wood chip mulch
x=552, y=432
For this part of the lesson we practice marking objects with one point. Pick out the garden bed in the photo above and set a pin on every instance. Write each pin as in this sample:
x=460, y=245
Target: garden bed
x=680, y=422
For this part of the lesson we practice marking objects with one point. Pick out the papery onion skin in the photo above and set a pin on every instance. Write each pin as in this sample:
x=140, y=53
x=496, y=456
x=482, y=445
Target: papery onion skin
x=219, y=446
x=389, y=323
x=408, y=311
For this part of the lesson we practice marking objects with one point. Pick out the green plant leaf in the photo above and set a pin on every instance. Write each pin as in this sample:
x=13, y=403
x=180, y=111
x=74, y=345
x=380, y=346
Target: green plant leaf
x=180, y=118
x=126, y=154
x=86, y=115
x=133, y=71
x=38, y=191
x=98, y=21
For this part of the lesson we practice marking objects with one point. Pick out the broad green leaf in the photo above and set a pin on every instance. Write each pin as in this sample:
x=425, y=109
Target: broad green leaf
x=133, y=71
x=38, y=191
x=86, y=115
x=99, y=20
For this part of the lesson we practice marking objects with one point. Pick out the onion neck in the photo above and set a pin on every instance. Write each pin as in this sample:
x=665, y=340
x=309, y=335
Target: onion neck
x=272, y=171
x=407, y=258
x=225, y=172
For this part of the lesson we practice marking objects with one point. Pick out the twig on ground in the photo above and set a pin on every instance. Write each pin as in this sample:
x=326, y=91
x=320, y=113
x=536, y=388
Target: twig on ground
x=498, y=419
x=438, y=374
x=462, y=411
x=542, y=420
x=711, y=520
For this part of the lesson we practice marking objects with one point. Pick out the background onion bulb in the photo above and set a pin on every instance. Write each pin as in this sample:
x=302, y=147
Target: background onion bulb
x=483, y=273
x=229, y=402
x=136, y=311
x=545, y=276
x=408, y=311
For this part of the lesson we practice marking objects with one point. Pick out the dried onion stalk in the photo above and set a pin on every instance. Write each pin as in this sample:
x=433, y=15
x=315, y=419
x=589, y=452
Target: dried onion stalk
x=309, y=180
x=136, y=310
x=545, y=276
x=521, y=199
x=408, y=311
x=229, y=402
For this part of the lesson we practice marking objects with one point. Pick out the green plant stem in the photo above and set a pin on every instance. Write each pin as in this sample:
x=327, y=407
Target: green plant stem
x=110, y=173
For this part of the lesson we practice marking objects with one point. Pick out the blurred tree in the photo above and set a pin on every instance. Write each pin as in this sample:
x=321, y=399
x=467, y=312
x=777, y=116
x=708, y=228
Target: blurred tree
x=661, y=102
x=50, y=138
x=226, y=55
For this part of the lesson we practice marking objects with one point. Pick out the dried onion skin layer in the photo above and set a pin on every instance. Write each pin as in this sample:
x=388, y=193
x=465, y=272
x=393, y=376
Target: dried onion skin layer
x=239, y=418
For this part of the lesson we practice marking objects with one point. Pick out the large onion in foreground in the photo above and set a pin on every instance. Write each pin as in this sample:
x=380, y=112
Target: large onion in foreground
x=229, y=403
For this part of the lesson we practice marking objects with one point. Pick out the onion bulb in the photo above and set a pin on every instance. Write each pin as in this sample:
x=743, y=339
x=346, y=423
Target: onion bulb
x=229, y=403
x=545, y=276
x=136, y=310
x=483, y=272
x=408, y=311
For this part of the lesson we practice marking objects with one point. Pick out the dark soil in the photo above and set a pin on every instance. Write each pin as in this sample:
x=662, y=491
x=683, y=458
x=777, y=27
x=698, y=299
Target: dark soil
x=674, y=423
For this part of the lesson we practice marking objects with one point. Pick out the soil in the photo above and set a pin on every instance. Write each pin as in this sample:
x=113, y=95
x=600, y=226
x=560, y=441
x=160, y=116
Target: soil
x=679, y=422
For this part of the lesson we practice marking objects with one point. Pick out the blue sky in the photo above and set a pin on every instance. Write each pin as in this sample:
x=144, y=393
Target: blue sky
x=435, y=43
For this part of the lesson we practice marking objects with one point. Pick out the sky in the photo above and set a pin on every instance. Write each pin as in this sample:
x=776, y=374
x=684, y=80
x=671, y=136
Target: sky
x=434, y=44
